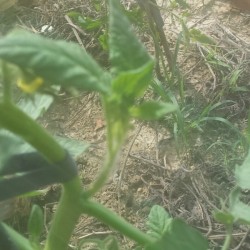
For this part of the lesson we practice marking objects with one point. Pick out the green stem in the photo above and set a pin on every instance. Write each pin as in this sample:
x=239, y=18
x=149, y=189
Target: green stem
x=115, y=221
x=66, y=216
x=16, y=121
x=68, y=211
x=103, y=175
x=116, y=131
x=228, y=239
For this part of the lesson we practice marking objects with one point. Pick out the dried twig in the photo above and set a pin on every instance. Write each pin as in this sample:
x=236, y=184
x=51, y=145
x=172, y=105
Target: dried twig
x=242, y=241
x=75, y=29
x=94, y=234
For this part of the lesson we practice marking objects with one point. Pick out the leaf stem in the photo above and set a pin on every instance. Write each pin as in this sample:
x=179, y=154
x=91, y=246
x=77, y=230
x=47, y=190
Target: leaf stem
x=117, y=128
x=115, y=221
x=228, y=239
x=103, y=175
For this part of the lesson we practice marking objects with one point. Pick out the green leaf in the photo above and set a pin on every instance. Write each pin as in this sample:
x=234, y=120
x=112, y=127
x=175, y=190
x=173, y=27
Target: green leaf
x=222, y=120
x=57, y=62
x=198, y=36
x=36, y=193
x=18, y=240
x=136, y=16
x=8, y=146
x=160, y=89
x=224, y=217
x=75, y=147
x=11, y=144
x=36, y=106
x=103, y=40
x=133, y=83
x=180, y=236
x=235, y=75
x=35, y=224
x=185, y=33
x=158, y=221
x=239, y=210
x=126, y=52
x=86, y=22
x=152, y=110
x=242, y=173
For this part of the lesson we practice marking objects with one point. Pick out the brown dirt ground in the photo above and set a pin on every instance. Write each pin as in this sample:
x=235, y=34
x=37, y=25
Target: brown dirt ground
x=190, y=184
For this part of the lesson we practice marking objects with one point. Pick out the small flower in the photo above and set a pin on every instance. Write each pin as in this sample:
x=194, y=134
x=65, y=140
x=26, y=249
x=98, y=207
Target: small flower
x=31, y=86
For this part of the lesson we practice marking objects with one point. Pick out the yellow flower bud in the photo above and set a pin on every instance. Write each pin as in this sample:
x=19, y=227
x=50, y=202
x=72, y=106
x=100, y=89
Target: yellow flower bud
x=30, y=87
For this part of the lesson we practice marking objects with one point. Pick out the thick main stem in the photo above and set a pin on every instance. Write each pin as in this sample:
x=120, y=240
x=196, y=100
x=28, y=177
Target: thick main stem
x=68, y=211
x=66, y=216
x=16, y=121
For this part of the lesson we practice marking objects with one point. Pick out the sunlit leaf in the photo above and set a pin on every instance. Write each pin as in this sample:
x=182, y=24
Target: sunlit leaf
x=224, y=217
x=242, y=173
x=126, y=52
x=134, y=82
x=239, y=210
x=36, y=106
x=152, y=110
x=103, y=40
x=36, y=193
x=11, y=144
x=158, y=221
x=180, y=236
x=185, y=33
x=75, y=147
x=222, y=120
x=199, y=36
x=57, y=62
x=35, y=224
x=86, y=22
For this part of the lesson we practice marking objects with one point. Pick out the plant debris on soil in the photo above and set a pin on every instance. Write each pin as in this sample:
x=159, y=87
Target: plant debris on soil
x=189, y=176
